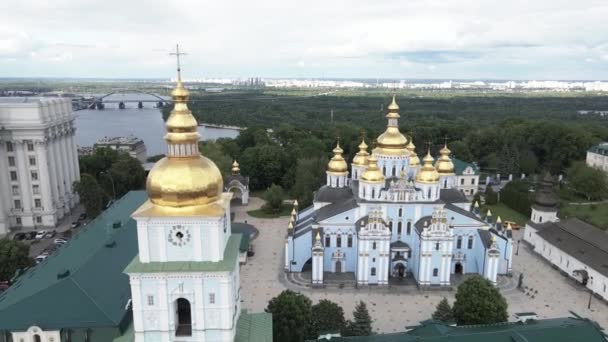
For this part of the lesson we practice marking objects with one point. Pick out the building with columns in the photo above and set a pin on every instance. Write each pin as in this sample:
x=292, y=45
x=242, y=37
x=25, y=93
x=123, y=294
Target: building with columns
x=393, y=217
x=38, y=162
x=157, y=266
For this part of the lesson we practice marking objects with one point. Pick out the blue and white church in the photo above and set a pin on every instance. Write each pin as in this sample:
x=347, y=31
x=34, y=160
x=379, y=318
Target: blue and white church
x=392, y=217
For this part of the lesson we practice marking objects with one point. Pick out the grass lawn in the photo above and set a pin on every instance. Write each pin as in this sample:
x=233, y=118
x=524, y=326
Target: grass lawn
x=505, y=213
x=261, y=213
x=596, y=214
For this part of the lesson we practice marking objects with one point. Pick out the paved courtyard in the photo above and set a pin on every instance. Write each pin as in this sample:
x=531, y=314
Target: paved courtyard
x=392, y=309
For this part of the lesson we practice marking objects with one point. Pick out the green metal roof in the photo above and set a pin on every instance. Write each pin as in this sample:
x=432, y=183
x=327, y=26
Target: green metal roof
x=95, y=291
x=548, y=330
x=460, y=166
x=254, y=327
x=601, y=148
x=229, y=262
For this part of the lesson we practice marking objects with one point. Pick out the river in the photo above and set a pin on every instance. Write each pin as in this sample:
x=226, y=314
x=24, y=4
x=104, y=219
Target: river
x=146, y=123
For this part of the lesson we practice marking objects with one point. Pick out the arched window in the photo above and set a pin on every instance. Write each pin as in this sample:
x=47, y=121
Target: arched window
x=435, y=272
x=373, y=271
x=470, y=243
x=409, y=227
x=445, y=183
x=327, y=241
x=373, y=193
x=390, y=226
x=374, y=245
x=37, y=338
x=384, y=170
x=350, y=241
x=399, y=227
x=339, y=241
x=437, y=245
x=459, y=242
x=394, y=171
x=400, y=212
x=540, y=219
x=184, y=318
x=429, y=193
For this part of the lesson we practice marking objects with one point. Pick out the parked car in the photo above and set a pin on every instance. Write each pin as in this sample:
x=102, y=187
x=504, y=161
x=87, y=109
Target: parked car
x=19, y=236
x=75, y=224
x=4, y=285
x=60, y=241
x=50, y=234
x=30, y=235
x=82, y=217
x=41, y=234
x=40, y=258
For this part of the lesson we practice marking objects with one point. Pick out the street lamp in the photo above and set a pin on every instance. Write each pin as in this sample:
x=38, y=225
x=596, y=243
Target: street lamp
x=517, y=250
x=590, y=292
x=107, y=173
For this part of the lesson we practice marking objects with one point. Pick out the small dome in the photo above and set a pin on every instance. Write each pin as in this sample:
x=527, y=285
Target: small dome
x=337, y=164
x=372, y=174
x=361, y=156
x=414, y=160
x=392, y=142
x=444, y=164
x=427, y=173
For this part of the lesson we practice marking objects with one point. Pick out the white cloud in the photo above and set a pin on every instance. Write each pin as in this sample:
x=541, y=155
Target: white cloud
x=357, y=38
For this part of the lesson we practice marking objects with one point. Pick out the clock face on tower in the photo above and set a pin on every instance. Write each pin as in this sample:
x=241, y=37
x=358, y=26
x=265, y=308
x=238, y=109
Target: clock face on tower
x=179, y=236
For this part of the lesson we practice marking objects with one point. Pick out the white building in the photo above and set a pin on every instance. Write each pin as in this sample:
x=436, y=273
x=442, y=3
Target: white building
x=576, y=248
x=38, y=162
x=597, y=156
x=132, y=145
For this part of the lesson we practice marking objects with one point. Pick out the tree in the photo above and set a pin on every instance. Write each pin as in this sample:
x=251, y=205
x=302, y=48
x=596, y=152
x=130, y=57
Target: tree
x=263, y=164
x=444, y=312
x=479, y=302
x=291, y=316
x=361, y=325
x=90, y=193
x=491, y=196
x=327, y=316
x=155, y=158
x=310, y=175
x=274, y=197
x=14, y=255
x=477, y=198
x=215, y=152
x=127, y=174
x=588, y=181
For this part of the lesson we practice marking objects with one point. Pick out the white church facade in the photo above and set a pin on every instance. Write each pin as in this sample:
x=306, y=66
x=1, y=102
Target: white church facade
x=391, y=217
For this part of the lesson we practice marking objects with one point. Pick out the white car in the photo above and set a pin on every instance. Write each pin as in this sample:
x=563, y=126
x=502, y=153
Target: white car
x=40, y=258
x=60, y=241
x=41, y=234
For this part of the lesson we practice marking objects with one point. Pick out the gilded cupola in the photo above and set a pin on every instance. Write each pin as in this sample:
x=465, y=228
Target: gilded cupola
x=392, y=142
x=444, y=164
x=236, y=168
x=361, y=156
x=337, y=165
x=184, y=178
x=414, y=160
x=427, y=173
x=372, y=173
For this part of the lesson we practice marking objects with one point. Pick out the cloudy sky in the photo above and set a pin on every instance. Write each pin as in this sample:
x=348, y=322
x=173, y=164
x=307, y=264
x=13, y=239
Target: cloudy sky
x=472, y=39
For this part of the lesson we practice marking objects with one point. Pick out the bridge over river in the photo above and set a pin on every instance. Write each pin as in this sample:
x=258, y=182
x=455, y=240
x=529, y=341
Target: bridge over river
x=122, y=98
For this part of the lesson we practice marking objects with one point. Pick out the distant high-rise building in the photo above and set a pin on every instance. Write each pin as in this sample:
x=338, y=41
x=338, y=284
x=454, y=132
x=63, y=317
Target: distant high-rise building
x=38, y=162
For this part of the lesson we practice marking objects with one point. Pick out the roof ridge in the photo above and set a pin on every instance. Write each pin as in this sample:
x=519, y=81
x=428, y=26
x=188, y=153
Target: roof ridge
x=92, y=300
x=573, y=233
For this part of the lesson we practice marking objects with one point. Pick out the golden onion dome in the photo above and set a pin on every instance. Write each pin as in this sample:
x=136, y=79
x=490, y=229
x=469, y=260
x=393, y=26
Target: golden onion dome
x=392, y=142
x=372, y=174
x=361, y=156
x=183, y=178
x=337, y=164
x=414, y=160
x=427, y=173
x=236, y=168
x=444, y=164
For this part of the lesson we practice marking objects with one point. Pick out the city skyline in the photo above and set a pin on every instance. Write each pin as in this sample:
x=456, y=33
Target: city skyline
x=545, y=40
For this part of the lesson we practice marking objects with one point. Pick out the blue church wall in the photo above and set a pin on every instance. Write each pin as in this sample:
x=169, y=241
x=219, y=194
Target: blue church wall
x=374, y=257
x=415, y=260
x=301, y=251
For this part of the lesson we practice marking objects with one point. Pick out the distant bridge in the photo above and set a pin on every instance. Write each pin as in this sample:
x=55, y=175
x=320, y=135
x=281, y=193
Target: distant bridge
x=98, y=102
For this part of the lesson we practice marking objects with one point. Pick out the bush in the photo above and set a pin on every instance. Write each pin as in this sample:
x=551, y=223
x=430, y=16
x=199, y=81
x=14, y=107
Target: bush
x=274, y=197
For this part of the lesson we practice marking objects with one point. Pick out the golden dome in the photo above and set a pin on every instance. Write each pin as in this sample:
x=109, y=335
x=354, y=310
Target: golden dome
x=184, y=178
x=444, y=164
x=361, y=156
x=337, y=164
x=392, y=142
x=414, y=160
x=236, y=169
x=427, y=173
x=372, y=174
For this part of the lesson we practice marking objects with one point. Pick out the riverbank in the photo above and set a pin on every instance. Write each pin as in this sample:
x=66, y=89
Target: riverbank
x=222, y=126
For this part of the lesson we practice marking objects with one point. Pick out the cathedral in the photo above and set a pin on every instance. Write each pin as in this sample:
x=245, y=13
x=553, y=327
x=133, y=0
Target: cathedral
x=392, y=217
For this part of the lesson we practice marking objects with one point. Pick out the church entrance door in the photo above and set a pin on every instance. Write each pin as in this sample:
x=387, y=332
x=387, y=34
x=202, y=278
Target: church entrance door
x=458, y=268
x=184, y=318
x=399, y=270
x=338, y=267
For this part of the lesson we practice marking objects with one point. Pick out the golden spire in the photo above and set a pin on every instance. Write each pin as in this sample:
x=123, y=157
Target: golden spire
x=293, y=212
x=444, y=163
x=427, y=173
x=509, y=226
x=489, y=213
x=236, y=169
x=498, y=219
x=361, y=156
x=337, y=165
x=414, y=160
x=372, y=174
x=476, y=204
x=318, y=237
x=184, y=178
x=295, y=203
x=290, y=225
x=392, y=142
